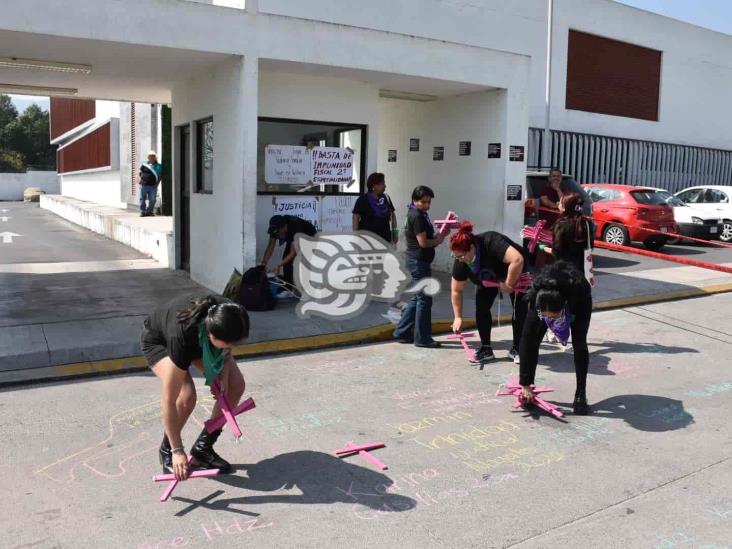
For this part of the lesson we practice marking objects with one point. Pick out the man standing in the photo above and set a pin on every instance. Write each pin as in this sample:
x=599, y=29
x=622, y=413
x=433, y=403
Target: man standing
x=150, y=173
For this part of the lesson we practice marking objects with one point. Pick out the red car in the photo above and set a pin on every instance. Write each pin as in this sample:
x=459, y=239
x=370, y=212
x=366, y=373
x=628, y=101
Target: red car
x=621, y=212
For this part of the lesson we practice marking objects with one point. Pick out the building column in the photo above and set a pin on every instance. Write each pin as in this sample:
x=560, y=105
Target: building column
x=516, y=123
x=248, y=113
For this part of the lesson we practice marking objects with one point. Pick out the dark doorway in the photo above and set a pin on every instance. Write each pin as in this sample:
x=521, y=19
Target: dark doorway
x=185, y=198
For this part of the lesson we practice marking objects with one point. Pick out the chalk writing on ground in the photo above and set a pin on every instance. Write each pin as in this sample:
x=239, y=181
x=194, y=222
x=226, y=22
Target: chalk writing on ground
x=681, y=539
x=301, y=422
x=424, y=423
x=712, y=390
x=210, y=532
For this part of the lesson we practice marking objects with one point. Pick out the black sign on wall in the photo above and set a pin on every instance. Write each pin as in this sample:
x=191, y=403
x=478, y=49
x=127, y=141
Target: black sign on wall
x=494, y=150
x=438, y=153
x=414, y=144
x=513, y=192
x=392, y=157
x=516, y=153
x=465, y=148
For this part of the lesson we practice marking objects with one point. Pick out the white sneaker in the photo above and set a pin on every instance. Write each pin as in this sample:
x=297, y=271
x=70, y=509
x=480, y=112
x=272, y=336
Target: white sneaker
x=513, y=354
x=551, y=338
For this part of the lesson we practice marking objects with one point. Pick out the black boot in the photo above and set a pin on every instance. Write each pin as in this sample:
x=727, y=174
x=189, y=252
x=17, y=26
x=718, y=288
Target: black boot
x=204, y=454
x=580, y=406
x=166, y=456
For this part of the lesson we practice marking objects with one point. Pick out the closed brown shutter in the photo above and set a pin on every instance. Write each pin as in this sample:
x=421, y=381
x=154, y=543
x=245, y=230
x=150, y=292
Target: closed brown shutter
x=66, y=114
x=611, y=77
x=89, y=152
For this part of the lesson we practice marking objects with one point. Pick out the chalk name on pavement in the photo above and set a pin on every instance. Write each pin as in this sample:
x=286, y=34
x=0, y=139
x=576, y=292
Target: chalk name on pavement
x=461, y=400
x=723, y=511
x=673, y=413
x=681, y=539
x=302, y=422
x=712, y=390
x=218, y=530
x=414, y=426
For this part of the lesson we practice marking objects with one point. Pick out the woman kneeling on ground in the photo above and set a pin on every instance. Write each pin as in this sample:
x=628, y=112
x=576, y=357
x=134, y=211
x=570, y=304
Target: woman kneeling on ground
x=560, y=299
x=199, y=331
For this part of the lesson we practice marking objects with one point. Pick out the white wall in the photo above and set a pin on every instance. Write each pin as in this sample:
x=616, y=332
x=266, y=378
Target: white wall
x=102, y=187
x=472, y=186
x=216, y=219
x=12, y=185
x=326, y=99
x=696, y=75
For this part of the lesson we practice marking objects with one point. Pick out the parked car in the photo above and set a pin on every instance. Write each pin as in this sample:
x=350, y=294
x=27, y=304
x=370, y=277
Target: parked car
x=535, y=183
x=692, y=221
x=714, y=199
x=622, y=212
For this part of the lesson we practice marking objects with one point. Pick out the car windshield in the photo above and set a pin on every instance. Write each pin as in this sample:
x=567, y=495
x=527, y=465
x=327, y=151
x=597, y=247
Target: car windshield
x=648, y=197
x=670, y=199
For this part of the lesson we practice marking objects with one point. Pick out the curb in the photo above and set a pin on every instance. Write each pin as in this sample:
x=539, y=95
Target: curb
x=382, y=332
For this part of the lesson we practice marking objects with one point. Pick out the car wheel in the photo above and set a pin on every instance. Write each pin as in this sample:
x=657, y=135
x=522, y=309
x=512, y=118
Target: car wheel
x=674, y=240
x=616, y=234
x=655, y=244
x=726, y=234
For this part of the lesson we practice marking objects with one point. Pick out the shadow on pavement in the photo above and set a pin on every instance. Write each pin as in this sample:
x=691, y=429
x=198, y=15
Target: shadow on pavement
x=316, y=478
x=644, y=412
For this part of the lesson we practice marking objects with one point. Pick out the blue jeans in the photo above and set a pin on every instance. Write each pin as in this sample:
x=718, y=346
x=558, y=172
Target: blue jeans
x=150, y=192
x=417, y=315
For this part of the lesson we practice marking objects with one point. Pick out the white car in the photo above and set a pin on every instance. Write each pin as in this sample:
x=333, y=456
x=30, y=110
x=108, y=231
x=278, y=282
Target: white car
x=715, y=199
x=692, y=221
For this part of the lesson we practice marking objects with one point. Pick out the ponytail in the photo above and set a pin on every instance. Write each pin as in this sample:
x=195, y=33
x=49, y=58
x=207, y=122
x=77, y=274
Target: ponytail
x=226, y=321
x=463, y=238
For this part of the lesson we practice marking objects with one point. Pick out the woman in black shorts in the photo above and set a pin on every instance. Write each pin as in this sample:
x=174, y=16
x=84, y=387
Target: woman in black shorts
x=200, y=331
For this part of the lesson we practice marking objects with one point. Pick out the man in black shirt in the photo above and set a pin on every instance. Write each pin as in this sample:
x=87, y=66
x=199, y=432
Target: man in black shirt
x=488, y=256
x=282, y=230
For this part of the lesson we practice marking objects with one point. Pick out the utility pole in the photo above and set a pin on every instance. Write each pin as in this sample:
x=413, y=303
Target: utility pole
x=546, y=137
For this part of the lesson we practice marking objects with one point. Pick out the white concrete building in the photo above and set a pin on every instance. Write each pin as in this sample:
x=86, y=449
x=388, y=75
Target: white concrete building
x=457, y=75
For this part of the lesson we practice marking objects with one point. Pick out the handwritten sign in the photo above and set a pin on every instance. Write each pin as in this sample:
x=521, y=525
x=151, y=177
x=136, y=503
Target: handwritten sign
x=336, y=214
x=286, y=165
x=303, y=207
x=331, y=166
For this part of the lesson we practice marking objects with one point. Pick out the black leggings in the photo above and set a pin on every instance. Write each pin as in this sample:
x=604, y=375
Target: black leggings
x=533, y=334
x=484, y=299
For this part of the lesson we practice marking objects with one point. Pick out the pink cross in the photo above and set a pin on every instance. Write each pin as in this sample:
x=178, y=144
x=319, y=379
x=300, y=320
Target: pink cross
x=523, y=285
x=536, y=235
x=451, y=221
x=466, y=347
x=227, y=414
x=203, y=473
x=362, y=450
x=513, y=388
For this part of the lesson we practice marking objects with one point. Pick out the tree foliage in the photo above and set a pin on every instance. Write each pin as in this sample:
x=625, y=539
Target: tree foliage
x=24, y=138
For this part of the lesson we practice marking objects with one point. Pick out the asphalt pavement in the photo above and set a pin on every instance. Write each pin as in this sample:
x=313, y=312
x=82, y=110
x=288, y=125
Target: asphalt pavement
x=650, y=468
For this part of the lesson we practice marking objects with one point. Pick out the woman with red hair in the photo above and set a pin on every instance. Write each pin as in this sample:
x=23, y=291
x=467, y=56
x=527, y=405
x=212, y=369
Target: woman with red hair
x=486, y=256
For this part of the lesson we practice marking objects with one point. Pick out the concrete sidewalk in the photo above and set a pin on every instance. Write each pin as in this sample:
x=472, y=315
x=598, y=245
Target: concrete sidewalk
x=74, y=302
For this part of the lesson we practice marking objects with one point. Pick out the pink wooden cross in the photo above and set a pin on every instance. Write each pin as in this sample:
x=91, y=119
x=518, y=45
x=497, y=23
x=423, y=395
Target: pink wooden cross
x=227, y=414
x=451, y=221
x=522, y=286
x=203, y=473
x=537, y=235
x=462, y=338
x=514, y=388
x=362, y=450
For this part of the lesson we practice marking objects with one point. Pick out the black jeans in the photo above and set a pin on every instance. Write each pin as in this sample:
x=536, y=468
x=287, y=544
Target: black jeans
x=484, y=299
x=533, y=334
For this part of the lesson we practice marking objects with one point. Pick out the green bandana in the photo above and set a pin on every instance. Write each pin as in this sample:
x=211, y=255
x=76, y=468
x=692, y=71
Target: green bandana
x=213, y=358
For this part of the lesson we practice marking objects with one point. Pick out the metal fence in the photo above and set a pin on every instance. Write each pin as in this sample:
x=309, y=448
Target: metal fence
x=601, y=159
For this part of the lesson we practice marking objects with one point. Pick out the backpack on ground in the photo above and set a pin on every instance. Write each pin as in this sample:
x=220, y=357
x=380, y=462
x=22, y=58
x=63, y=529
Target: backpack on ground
x=255, y=293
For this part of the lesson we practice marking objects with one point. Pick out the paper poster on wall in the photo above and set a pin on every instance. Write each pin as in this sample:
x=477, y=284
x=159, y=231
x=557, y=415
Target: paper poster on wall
x=303, y=207
x=332, y=166
x=286, y=164
x=392, y=156
x=414, y=144
x=516, y=153
x=494, y=150
x=465, y=148
x=513, y=192
x=438, y=153
x=336, y=213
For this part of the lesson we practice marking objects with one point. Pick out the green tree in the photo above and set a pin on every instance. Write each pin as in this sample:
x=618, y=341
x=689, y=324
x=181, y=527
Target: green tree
x=8, y=112
x=10, y=161
x=28, y=134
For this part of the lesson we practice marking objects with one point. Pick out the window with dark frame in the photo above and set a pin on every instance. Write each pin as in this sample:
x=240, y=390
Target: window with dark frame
x=281, y=131
x=204, y=156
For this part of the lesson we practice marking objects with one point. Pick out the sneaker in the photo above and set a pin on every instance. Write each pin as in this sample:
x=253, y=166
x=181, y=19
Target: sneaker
x=484, y=354
x=431, y=345
x=513, y=354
